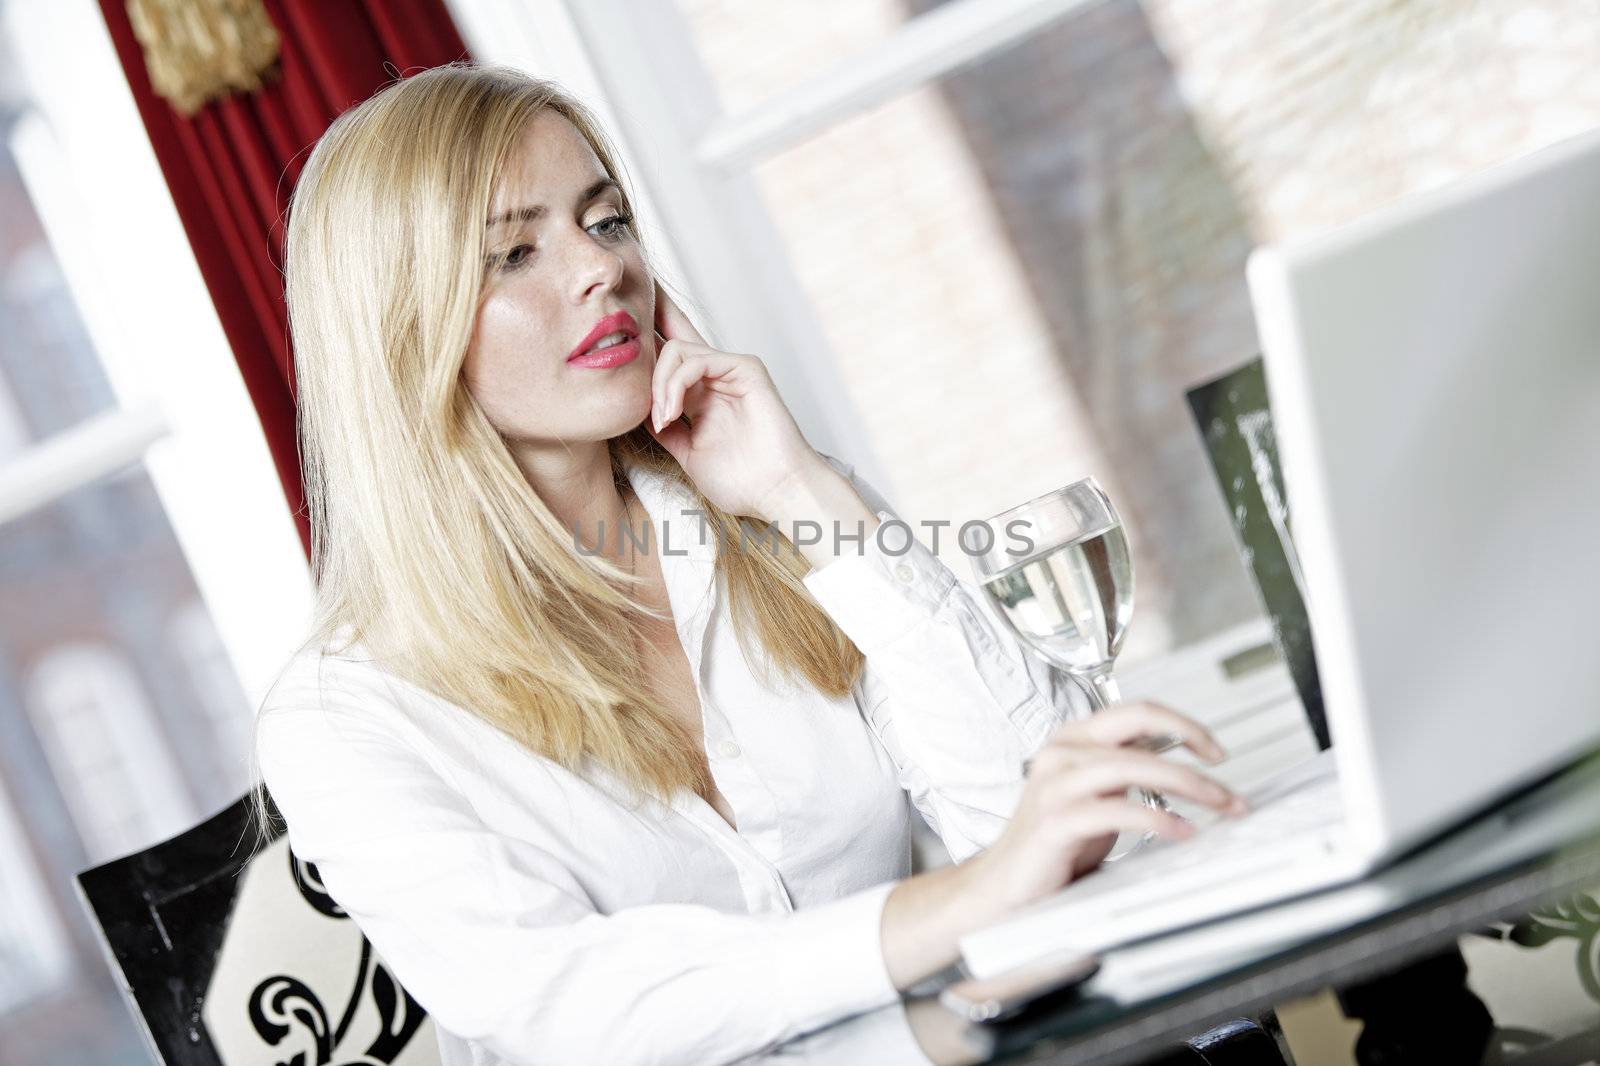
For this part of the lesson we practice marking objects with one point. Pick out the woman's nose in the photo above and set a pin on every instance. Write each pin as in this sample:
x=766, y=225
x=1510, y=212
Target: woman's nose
x=596, y=267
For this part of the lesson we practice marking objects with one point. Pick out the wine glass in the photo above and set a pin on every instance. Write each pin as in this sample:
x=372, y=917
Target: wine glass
x=1057, y=570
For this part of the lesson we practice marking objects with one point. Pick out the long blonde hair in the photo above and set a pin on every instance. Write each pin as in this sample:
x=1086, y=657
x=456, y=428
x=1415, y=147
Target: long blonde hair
x=429, y=547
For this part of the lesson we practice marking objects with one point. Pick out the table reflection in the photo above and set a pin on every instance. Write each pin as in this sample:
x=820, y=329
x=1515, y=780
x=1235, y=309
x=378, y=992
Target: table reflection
x=912, y=1032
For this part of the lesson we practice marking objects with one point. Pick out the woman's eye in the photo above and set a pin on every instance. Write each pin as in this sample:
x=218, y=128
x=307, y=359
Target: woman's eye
x=618, y=225
x=515, y=257
x=613, y=228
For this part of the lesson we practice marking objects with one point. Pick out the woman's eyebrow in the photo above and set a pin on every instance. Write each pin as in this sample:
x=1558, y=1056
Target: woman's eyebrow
x=529, y=212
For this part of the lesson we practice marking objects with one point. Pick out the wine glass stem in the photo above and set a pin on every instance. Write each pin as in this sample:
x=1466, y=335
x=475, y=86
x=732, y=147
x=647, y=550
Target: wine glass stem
x=1103, y=689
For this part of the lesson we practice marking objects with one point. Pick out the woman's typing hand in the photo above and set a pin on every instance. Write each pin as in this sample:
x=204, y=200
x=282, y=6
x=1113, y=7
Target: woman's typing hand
x=1076, y=798
x=1074, y=803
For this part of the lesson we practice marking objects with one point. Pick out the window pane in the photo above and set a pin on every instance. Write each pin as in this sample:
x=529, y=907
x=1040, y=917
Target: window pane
x=754, y=51
x=34, y=954
x=1022, y=267
x=62, y=383
x=106, y=748
x=14, y=431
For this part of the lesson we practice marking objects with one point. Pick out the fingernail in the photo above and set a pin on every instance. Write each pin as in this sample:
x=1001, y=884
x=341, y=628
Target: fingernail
x=1238, y=806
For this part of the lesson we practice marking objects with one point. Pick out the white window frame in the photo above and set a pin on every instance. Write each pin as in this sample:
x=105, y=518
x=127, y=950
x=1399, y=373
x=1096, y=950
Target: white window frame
x=182, y=407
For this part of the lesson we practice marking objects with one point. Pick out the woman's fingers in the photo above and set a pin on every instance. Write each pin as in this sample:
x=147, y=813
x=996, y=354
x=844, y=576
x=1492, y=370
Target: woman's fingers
x=688, y=371
x=672, y=357
x=1110, y=773
x=1157, y=745
x=671, y=322
x=692, y=367
x=1145, y=724
x=667, y=357
x=1086, y=821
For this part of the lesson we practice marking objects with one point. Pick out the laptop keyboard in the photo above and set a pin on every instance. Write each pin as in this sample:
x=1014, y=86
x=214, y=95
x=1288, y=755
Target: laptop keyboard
x=1289, y=844
x=1291, y=813
x=1280, y=812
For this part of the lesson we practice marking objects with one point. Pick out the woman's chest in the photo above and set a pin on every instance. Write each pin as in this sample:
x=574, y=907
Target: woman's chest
x=818, y=807
x=671, y=678
x=808, y=780
x=793, y=772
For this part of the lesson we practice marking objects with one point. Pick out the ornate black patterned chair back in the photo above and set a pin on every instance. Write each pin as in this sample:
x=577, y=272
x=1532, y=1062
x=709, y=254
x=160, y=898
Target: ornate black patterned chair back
x=234, y=954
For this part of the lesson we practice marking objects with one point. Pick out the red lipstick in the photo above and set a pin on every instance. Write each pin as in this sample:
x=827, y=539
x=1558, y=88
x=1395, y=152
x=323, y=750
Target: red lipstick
x=617, y=351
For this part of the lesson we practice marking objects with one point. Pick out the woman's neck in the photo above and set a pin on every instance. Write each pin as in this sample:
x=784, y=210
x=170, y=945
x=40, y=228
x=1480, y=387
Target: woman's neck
x=578, y=486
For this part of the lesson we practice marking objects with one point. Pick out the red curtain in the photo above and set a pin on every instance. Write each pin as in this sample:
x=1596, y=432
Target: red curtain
x=232, y=166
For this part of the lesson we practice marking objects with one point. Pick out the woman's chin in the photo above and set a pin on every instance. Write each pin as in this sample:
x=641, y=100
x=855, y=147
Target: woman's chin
x=635, y=417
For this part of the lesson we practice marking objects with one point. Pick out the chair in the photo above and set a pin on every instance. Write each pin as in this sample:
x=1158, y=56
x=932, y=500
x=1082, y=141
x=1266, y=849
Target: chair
x=232, y=957
x=1241, y=1042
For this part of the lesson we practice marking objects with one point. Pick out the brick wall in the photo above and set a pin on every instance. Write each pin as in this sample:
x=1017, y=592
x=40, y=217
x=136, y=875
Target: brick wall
x=1318, y=112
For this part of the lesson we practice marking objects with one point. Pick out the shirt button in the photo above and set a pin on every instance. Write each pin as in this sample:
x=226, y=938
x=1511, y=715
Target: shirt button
x=729, y=750
x=904, y=572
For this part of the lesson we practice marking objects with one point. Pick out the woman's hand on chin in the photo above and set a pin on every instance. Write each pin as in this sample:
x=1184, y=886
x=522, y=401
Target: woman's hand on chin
x=739, y=443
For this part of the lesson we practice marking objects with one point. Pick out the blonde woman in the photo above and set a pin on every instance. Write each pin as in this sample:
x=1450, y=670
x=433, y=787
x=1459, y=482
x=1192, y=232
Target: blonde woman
x=603, y=801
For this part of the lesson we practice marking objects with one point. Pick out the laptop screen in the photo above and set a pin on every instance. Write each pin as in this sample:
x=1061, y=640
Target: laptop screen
x=1235, y=422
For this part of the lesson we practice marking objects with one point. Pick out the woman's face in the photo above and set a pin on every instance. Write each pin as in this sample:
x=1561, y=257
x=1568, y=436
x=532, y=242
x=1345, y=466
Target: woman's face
x=561, y=257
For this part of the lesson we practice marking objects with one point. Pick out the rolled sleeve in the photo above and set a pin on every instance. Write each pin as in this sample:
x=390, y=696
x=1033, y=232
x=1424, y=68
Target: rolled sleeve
x=833, y=963
x=954, y=696
x=877, y=597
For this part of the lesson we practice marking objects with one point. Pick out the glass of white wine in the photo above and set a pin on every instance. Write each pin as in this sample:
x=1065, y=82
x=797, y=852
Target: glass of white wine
x=1058, y=571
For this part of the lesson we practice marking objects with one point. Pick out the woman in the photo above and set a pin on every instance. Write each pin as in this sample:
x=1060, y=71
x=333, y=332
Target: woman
x=597, y=801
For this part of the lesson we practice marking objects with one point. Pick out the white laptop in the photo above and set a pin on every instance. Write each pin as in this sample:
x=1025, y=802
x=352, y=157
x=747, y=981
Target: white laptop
x=1434, y=374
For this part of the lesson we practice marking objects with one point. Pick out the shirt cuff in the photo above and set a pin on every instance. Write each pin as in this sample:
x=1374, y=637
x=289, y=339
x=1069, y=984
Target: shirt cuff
x=832, y=962
x=888, y=588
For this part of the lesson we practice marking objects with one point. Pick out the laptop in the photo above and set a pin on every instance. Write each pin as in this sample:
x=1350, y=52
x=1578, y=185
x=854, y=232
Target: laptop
x=1434, y=376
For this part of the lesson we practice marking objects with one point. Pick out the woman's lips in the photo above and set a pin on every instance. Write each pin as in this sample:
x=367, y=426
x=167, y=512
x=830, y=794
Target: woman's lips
x=615, y=322
x=606, y=358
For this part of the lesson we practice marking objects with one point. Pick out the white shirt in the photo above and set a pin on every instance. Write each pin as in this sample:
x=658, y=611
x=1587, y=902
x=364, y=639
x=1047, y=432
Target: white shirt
x=539, y=920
